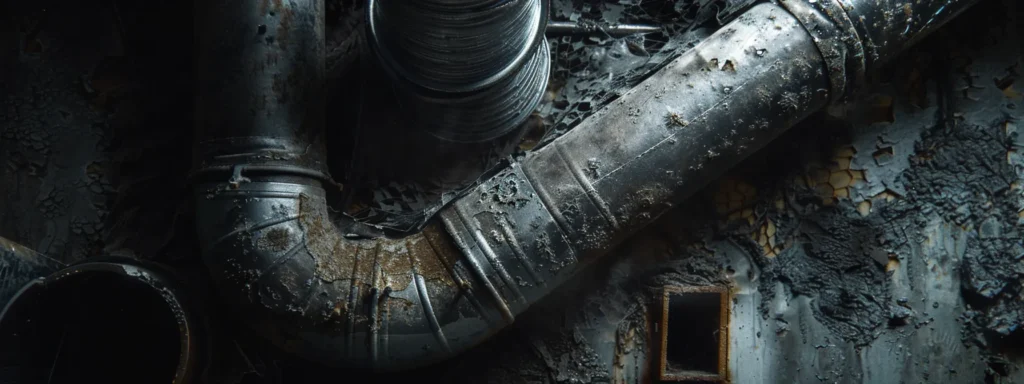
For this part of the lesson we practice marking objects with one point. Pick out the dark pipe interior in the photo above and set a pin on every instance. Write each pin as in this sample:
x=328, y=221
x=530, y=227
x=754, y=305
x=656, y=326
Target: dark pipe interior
x=93, y=327
x=693, y=336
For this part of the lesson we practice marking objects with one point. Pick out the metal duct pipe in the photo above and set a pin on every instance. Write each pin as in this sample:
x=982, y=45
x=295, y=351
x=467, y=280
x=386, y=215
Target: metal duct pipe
x=468, y=71
x=260, y=94
x=456, y=46
x=20, y=265
x=102, y=320
x=275, y=251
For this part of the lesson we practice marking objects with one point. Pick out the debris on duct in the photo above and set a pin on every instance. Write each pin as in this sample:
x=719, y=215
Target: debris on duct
x=589, y=71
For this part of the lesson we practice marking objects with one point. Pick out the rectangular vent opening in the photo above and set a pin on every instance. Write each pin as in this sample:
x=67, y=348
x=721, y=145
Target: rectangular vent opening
x=694, y=334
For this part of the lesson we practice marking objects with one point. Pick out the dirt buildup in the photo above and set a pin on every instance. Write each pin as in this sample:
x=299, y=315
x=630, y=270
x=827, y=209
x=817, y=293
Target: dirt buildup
x=275, y=239
x=505, y=192
x=961, y=173
x=830, y=262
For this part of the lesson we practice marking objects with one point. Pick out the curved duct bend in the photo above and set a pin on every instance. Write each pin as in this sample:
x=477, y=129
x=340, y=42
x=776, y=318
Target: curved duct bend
x=275, y=251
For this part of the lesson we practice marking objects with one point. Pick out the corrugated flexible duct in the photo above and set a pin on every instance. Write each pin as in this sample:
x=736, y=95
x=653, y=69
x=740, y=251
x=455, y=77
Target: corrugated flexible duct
x=277, y=254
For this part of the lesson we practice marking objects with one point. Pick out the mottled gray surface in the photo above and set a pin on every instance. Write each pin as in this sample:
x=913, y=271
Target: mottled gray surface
x=912, y=275
x=56, y=188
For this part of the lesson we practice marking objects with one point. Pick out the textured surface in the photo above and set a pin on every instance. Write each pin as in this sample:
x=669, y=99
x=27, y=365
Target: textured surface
x=860, y=251
x=876, y=247
x=588, y=72
x=879, y=246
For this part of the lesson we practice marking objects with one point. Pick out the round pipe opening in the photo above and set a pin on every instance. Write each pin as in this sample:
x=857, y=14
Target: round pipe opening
x=99, y=322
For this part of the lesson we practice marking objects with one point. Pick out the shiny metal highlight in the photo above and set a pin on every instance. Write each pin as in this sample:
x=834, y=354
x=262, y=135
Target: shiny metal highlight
x=292, y=270
x=467, y=71
x=455, y=46
x=486, y=114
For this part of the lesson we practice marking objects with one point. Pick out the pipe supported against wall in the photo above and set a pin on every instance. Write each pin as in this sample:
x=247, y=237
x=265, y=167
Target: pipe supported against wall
x=276, y=252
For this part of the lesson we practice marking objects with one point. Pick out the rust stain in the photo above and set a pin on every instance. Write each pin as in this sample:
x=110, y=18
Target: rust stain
x=360, y=261
x=340, y=307
x=276, y=239
x=625, y=342
x=363, y=263
x=535, y=131
x=729, y=66
x=395, y=264
x=765, y=237
x=893, y=264
x=444, y=248
x=433, y=263
x=675, y=119
x=333, y=256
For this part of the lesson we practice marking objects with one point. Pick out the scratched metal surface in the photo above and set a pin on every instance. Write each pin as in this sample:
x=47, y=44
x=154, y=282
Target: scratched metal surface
x=588, y=72
x=878, y=243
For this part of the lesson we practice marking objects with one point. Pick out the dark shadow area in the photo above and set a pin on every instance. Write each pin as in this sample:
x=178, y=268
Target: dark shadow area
x=94, y=327
x=692, y=334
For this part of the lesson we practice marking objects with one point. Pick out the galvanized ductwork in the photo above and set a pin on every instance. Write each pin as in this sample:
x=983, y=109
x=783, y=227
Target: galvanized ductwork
x=277, y=253
x=467, y=70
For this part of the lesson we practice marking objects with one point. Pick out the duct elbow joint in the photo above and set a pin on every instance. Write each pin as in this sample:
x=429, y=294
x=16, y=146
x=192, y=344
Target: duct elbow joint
x=274, y=251
x=391, y=304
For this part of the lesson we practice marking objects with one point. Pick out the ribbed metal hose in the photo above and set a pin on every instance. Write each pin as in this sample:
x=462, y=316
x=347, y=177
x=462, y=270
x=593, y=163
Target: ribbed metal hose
x=469, y=70
x=487, y=114
x=456, y=46
x=278, y=255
